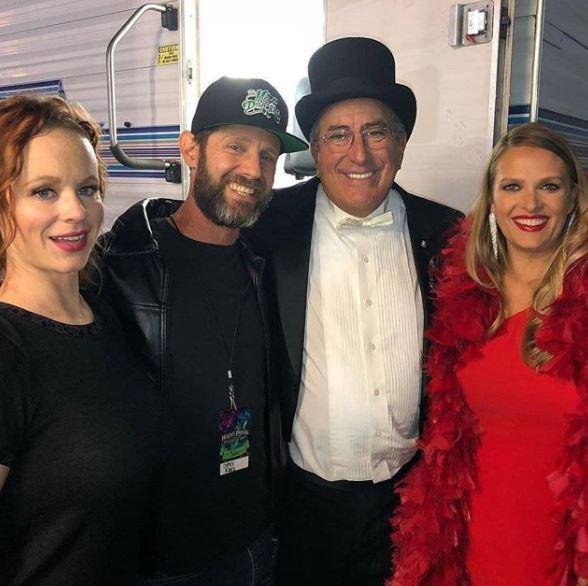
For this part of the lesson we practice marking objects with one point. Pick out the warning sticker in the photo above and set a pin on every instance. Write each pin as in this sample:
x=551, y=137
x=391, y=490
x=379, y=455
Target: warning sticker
x=167, y=54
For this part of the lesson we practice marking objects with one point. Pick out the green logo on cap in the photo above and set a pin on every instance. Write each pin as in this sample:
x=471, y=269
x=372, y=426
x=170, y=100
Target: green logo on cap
x=261, y=102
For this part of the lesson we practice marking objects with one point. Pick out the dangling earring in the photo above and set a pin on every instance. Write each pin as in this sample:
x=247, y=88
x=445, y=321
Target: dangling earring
x=569, y=223
x=493, y=233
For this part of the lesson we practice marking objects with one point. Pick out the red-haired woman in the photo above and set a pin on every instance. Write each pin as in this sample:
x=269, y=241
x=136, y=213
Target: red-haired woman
x=80, y=425
x=500, y=493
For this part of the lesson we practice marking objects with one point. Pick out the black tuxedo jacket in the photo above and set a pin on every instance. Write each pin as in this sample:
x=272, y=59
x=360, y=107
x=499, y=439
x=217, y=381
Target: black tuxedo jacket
x=283, y=236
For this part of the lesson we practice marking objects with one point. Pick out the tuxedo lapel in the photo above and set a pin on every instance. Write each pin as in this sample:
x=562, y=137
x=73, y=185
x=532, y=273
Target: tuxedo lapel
x=291, y=256
x=424, y=241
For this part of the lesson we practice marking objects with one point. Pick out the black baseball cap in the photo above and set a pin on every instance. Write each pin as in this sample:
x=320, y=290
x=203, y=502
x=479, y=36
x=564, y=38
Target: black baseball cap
x=252, y=102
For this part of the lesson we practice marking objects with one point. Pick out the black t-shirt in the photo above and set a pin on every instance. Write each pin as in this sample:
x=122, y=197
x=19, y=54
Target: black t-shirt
x=84, y=434
x=204, y=516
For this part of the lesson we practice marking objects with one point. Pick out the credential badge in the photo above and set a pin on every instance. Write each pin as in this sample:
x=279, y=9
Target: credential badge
x=261, y=102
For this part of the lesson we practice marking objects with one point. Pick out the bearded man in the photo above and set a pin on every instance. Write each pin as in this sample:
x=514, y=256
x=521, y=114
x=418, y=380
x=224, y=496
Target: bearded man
x=188, y=291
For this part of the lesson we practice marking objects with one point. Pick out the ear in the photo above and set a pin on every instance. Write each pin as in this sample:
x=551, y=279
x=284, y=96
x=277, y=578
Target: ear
x=315, y=152
x=314, y=149
x=189, y=148
x=8, y=226
x=573, y=199
x=8, y=197
x=401, y=145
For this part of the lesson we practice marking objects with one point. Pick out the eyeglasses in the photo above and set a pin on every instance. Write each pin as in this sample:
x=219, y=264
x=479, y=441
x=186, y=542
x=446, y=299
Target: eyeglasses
x=341, y=139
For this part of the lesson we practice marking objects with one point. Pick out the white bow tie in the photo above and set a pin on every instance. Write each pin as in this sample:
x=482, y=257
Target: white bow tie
x=385, y=219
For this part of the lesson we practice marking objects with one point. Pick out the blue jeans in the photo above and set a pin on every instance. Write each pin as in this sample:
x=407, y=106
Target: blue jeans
x=255, y=566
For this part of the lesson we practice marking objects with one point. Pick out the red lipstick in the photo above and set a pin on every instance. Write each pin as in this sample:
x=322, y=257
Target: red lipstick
x=534, y=223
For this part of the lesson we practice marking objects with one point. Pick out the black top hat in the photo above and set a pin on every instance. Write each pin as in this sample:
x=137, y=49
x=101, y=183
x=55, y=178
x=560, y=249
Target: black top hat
x=354, y=67
x=253, y=102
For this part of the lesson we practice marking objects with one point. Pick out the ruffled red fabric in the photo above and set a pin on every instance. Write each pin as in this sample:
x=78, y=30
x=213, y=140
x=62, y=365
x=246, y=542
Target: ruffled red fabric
x=430, y=526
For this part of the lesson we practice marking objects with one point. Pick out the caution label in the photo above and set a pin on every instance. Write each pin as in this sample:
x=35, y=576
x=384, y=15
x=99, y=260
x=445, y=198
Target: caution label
x=168, y=54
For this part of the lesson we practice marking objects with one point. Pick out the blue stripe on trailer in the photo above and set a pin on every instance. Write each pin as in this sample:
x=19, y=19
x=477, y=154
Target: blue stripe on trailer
x=52, y=87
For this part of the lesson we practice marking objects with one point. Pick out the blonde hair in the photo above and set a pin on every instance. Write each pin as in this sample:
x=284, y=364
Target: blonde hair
x=22, y=118
x=488, y=271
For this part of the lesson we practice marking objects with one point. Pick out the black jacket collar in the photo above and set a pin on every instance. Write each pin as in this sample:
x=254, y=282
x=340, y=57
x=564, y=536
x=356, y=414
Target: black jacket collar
x=131, y=233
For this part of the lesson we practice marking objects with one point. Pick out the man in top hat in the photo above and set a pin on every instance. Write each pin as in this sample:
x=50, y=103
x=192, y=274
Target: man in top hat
x=188, y=291
x=349, y=253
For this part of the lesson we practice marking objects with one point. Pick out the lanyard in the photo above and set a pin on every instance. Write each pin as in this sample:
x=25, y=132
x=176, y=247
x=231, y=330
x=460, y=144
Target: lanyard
x=229, y=351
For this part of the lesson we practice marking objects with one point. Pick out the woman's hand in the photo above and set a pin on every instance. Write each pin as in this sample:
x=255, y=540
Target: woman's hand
x=582, y=581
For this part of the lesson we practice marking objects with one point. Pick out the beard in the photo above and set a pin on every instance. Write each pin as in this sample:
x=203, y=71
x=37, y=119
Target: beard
x=210, y=198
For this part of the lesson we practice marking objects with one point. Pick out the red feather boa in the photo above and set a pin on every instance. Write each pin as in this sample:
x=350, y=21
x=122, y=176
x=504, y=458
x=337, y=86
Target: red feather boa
x=431, y=523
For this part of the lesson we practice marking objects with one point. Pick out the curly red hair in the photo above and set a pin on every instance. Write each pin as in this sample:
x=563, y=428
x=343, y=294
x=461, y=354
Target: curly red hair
x=22, y=118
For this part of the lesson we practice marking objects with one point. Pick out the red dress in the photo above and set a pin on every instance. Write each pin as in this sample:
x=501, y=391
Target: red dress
x=522, y=414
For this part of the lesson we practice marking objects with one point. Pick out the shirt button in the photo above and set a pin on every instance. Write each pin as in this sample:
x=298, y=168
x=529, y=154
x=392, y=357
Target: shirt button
x=369, y=302
x=366, y=259
x=372, y=347
x=377, y=392
x=379, y=433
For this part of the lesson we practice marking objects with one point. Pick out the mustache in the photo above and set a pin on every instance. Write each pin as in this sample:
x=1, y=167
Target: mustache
x=257, y=184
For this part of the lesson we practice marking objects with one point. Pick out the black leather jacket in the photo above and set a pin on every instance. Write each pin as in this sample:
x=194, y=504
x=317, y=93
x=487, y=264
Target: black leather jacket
x=135, y=281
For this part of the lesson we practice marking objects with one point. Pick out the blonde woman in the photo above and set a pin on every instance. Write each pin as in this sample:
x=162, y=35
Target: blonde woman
x=499, y=494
